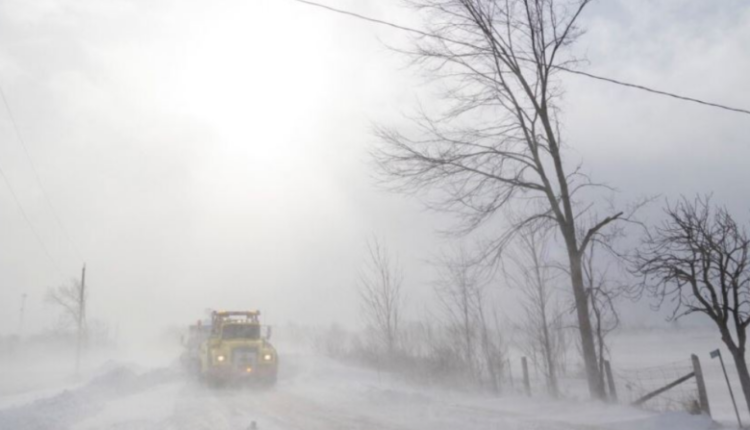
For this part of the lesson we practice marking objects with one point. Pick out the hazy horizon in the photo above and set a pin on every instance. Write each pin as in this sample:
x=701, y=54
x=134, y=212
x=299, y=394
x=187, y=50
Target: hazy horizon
x=216, y=155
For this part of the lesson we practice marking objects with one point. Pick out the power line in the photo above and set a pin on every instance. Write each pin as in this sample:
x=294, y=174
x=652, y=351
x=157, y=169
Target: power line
x=373, y=20
x=564, y=69
x=654, y=91
x=28, y=222
x=36, y=175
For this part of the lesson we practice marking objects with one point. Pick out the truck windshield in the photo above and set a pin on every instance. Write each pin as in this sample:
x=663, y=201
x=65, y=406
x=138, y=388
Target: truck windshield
x=241, y=331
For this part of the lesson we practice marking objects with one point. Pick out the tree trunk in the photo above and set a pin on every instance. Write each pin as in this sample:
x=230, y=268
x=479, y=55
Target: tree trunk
x=599, y=339
x=551, y=374
x=487, y=347
x=742, y=372
x=596, y=389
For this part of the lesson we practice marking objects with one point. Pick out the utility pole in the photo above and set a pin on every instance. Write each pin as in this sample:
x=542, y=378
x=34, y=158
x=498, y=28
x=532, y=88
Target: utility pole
x=23, y=310
x=81, y=317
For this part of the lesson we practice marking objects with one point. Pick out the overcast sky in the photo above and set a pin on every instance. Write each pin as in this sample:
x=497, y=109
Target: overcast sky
x=214, y=154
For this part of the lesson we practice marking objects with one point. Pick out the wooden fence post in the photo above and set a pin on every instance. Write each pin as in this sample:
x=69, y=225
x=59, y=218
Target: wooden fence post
x=702, y=395
x=610, y=381
x=526, y=383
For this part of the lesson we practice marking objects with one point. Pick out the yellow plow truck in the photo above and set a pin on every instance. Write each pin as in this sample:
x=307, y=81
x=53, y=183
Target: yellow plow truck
x=236, y=351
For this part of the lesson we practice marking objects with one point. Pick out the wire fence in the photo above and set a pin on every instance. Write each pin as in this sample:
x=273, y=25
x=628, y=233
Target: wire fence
x=667, y=387
x=635, y=386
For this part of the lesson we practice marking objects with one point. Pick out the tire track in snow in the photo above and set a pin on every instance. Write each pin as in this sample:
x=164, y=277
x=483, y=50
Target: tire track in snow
x=297, y=413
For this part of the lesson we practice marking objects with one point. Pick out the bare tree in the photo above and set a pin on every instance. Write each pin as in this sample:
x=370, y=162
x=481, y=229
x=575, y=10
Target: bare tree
x=698, y=259
x=458, y=290
x=461, y=290
x=542, y=325
x=499, y=140
x=380, y=289
x=71, y=300
x=492, y=345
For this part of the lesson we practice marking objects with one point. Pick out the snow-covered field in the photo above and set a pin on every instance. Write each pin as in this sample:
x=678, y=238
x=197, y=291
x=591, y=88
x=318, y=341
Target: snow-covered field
x=313, y=393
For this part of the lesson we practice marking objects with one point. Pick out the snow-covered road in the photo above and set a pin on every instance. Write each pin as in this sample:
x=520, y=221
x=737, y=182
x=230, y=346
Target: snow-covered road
x=313, y=393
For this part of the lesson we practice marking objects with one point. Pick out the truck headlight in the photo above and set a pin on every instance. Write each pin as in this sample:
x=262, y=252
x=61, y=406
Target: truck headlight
x=268, y=357
x=220, y=358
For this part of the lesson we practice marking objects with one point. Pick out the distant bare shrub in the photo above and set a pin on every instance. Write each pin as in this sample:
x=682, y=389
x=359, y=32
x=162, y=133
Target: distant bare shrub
x=380, y=290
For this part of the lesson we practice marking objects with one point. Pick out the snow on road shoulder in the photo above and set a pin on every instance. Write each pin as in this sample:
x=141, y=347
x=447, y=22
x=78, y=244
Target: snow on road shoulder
x=65, y=408
x=136, y=411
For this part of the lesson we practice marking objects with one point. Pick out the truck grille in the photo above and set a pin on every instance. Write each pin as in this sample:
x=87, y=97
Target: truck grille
x=244, y=357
